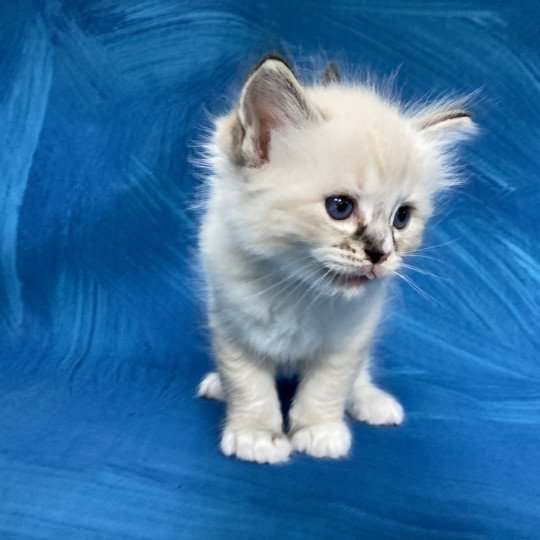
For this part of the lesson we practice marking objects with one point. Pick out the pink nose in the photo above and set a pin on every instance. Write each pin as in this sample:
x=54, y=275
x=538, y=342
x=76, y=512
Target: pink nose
x=376, y=256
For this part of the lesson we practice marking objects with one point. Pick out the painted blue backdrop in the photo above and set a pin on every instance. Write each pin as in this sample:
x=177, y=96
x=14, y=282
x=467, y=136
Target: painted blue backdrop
x=102, y=335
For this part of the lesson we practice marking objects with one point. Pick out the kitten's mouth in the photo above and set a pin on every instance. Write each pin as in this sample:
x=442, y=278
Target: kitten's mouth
x=349, y=280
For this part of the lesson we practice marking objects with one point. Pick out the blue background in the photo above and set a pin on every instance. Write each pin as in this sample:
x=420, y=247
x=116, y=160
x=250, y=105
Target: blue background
x=102, y=340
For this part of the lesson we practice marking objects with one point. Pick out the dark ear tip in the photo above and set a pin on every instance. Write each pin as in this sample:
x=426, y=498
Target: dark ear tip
x=331, y=75
x=445, y=117
x=275, y=57
x=461, y=113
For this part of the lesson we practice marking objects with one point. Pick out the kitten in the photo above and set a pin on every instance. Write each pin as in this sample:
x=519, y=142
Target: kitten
x=317, y=195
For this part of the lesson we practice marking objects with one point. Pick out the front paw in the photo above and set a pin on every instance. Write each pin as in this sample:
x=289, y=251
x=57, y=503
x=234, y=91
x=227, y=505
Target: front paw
x=255, y=445
x=331, y=440
x=375, y=406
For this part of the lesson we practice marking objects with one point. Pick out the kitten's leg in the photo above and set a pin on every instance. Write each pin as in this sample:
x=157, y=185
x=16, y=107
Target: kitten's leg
x=210, y=387
x=254, y=426
x=370, y=404
x=316, y=419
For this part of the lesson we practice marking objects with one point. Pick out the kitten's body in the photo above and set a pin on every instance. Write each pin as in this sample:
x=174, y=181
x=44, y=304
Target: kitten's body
x=292, y=288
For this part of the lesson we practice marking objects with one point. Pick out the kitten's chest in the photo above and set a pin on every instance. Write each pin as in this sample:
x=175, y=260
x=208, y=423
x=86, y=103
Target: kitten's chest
x=298, y=325
x=301, y=330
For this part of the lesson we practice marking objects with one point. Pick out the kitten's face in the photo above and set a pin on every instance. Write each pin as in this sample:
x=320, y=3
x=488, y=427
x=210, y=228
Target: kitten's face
x=332, y=183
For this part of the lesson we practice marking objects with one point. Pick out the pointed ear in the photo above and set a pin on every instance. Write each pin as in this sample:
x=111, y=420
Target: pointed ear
x=331, y=75
x=448, y=124
x=272, y=99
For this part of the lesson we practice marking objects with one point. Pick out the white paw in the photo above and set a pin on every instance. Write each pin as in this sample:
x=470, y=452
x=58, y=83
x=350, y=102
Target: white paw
x=210, y=387
x=253, y=445
x=375, y=406
x=332, y=440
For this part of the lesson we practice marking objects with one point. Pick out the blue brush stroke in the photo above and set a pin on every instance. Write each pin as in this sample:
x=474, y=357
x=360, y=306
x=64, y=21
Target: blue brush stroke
x=25, y=94
x=102, y=107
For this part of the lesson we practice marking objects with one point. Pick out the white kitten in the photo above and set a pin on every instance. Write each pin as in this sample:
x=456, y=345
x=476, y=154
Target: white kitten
x=316, y=196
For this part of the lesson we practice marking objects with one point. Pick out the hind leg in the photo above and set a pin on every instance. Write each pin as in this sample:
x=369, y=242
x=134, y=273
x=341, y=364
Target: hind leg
x=368, y=403
x=210, y=387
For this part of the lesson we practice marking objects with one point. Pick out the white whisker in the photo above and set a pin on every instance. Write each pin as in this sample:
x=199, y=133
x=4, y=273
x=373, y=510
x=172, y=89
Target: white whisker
x=422, y=271
x=416, y=288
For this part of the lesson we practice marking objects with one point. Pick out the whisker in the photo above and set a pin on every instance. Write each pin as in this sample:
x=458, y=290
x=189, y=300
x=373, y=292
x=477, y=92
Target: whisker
x=319, y=281
x=436, y=246
x=417, y=288
x=291, y=277
x=414, y=255
x=278, y=270
x=303, y=281
x=295, y=279
x=424, y=272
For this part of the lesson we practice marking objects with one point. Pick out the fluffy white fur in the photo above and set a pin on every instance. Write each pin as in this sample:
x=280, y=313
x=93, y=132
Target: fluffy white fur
x=290, y=288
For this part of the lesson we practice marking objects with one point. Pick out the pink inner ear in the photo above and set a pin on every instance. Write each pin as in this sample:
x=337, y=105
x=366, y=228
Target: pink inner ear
x=266, y=123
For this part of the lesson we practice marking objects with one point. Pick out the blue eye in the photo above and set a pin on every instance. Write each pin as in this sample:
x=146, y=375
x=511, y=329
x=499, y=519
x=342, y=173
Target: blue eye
x=339, y=206
x=402, y=216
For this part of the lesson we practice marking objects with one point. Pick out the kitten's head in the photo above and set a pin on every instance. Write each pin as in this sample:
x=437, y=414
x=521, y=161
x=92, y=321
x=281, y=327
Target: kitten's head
x=332, y=181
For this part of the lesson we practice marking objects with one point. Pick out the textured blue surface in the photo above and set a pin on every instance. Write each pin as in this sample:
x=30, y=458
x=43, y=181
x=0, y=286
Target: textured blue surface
x=102, y=335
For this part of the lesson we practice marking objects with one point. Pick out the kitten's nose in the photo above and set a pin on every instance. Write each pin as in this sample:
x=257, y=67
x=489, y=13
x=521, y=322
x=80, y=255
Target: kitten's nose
x=376, y=256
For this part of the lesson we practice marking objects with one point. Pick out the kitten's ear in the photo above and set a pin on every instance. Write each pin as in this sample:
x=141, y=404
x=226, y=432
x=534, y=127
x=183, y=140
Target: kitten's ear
x=447, y=124
x=331, y=75
x=272, y=99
